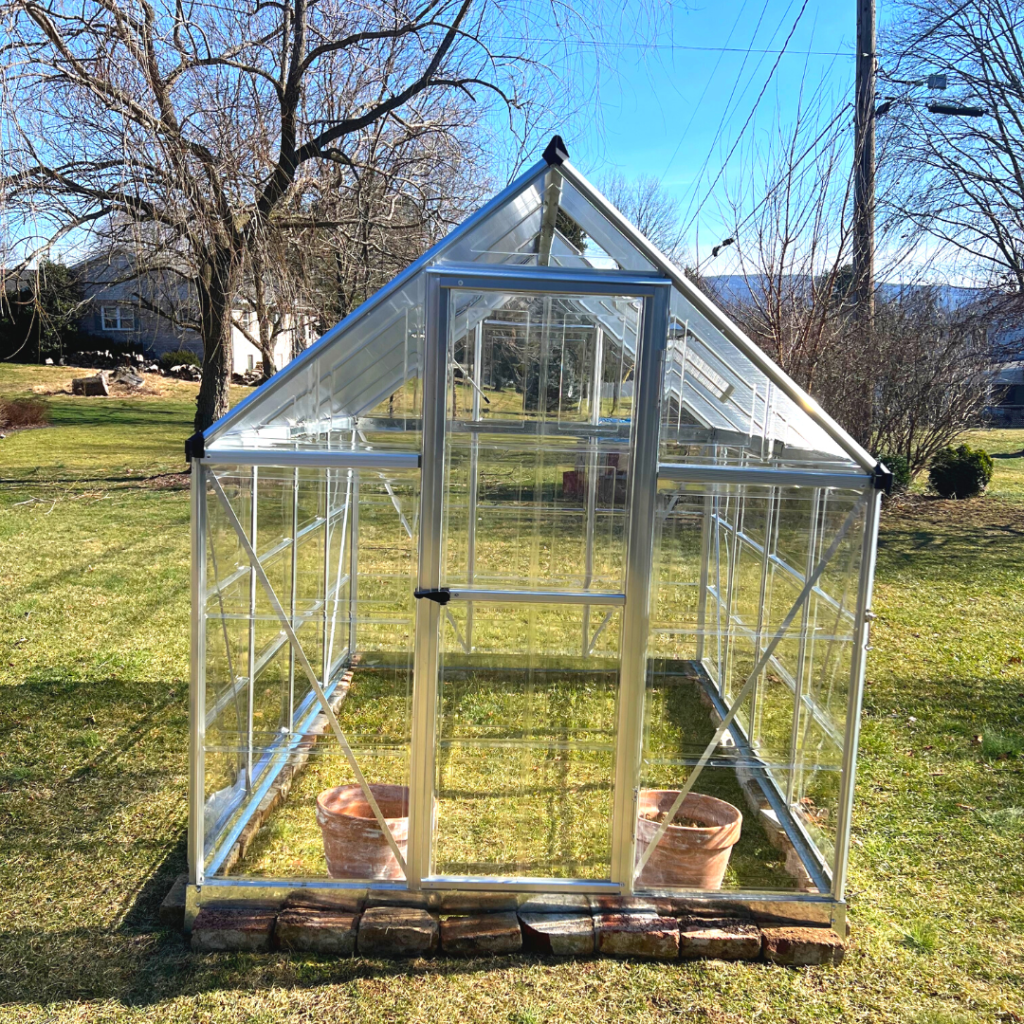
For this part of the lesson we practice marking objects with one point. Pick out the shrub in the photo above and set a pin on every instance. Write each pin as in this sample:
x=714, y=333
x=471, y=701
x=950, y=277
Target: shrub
x=183, y=357
x=23, y=412
x=900, y=469
x=960, y=472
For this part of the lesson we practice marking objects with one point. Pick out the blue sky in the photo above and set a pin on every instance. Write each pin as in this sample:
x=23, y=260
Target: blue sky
x=660, y=106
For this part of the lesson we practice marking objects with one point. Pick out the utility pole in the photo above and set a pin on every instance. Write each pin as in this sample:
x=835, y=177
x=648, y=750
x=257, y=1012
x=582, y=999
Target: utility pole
x=864, y=203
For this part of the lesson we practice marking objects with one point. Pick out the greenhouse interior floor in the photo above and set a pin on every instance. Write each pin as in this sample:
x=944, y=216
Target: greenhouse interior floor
x=525, y=768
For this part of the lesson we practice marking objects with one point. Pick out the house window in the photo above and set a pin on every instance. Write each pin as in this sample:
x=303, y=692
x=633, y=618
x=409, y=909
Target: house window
x=252, y=363
x=118, y=318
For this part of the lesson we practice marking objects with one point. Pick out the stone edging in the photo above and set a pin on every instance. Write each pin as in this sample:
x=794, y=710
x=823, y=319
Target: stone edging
x=489, y=924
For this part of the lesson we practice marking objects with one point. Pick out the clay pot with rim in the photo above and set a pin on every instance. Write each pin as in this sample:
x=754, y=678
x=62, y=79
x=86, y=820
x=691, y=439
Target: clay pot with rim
x=694, y=857
x=354, y=845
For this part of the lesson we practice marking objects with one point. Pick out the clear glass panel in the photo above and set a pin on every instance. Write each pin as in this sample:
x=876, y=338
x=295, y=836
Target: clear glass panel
x=281, y=797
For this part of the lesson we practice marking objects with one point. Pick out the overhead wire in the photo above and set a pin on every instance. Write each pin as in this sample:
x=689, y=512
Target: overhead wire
x=728, y=105
x=707, y=85
x=750, y=117
x=796, y=163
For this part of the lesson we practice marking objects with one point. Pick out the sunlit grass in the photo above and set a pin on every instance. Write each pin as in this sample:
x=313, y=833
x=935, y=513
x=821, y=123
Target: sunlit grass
x=96, y=582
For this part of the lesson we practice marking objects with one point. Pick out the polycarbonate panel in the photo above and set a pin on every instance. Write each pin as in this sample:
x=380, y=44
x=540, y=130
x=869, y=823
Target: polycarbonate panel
x=537, y=444
x=526, y=740
x=714, y=393
x=265, y=726
x=369, y=366
x=730, y=608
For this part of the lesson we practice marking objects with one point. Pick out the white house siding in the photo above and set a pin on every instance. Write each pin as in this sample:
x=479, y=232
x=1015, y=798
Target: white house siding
x=245, y=355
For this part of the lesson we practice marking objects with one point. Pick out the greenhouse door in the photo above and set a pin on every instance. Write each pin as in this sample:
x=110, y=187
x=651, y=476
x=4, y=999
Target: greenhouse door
x=539, y=466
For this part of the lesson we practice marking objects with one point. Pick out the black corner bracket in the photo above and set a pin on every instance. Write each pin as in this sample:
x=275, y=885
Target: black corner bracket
x=195, y=446
x=556, y=153
x=881, y=477
x=442, y=596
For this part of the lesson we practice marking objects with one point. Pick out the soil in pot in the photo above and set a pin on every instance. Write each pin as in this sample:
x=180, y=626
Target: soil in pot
x=695, y=850
x=354, y=845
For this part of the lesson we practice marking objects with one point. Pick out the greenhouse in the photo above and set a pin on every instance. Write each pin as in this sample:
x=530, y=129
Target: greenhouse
x=532, y=574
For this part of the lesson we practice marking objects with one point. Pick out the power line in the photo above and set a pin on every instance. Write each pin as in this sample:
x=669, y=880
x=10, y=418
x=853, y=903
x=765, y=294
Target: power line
x=728, y=105
x=707, y=85
x=750, y=117
x=796, y=163
x=595, y=44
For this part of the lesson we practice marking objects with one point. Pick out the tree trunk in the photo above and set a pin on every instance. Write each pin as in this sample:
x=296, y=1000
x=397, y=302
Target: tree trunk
x=216, y=287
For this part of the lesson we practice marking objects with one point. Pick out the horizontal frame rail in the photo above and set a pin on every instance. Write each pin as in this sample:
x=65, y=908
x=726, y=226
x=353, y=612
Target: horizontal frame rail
x=766, y=475
x=312, y=460
x=535, y=596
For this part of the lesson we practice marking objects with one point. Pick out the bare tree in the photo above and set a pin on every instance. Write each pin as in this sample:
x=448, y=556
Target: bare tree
x=207, y=124
x=790, y=236
x=645, y=202
x=958, y=178
x=933, y=364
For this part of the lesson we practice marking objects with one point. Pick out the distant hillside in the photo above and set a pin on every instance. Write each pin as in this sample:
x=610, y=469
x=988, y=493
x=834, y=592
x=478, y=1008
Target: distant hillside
x=737, y=288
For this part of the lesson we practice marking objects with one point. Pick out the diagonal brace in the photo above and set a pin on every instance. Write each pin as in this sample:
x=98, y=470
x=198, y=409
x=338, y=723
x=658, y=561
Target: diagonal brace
x=748, y=686
x=301, y=655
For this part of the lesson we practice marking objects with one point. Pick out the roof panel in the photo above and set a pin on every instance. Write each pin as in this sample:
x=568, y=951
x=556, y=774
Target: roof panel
x=714, y=377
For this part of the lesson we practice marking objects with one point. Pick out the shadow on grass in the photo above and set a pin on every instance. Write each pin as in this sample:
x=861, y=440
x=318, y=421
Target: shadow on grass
x=80, y=964
x=934, y=535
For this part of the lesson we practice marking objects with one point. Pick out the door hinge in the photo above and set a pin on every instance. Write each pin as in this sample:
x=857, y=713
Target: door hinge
x=442, y=596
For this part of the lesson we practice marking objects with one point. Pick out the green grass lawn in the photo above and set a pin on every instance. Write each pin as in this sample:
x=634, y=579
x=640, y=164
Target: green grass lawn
x=93, y=725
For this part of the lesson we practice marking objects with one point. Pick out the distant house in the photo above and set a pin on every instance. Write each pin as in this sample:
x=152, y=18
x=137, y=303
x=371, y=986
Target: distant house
x=147, y=310
x=1007, y=404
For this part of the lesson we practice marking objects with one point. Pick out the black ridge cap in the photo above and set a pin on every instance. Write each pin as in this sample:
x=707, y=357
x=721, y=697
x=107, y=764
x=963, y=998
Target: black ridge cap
x=195, y=446
x=881, y=477
x=556, y=153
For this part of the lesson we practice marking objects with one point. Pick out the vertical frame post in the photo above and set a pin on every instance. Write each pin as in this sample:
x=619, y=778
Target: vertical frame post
x=197, y=679
x=592, y=468
x=802, y=666
x=738, y=502
x=474, y=474
x=353, y=561
x=251, y=688
x=292, y=601
x=705, y=560
x=756, y=700
x=428, y=613
x=325, y=583
x=858, y=664
x=636, y=614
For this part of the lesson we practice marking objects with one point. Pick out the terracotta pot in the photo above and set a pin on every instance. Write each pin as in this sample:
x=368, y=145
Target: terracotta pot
x=354, y=845
x=687, y=856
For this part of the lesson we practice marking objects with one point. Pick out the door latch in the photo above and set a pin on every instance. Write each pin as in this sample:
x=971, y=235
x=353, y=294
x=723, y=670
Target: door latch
x=442, y=596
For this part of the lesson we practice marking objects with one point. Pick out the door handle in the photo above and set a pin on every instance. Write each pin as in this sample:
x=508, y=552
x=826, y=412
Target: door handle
x=442, y=596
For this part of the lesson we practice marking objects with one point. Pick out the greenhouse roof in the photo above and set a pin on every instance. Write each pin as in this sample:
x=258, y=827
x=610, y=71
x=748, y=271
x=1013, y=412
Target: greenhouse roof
x=717, y=381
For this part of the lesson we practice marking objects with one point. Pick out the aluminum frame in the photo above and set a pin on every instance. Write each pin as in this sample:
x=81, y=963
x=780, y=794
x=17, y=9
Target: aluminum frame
x=654, y=292
x=725, y=493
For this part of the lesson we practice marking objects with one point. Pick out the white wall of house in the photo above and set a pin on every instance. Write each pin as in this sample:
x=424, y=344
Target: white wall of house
x=245, y=355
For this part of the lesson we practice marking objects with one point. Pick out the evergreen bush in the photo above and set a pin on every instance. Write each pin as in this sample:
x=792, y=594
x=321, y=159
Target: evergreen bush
x=183, y=357
x=900, y=469
x=960, y=472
